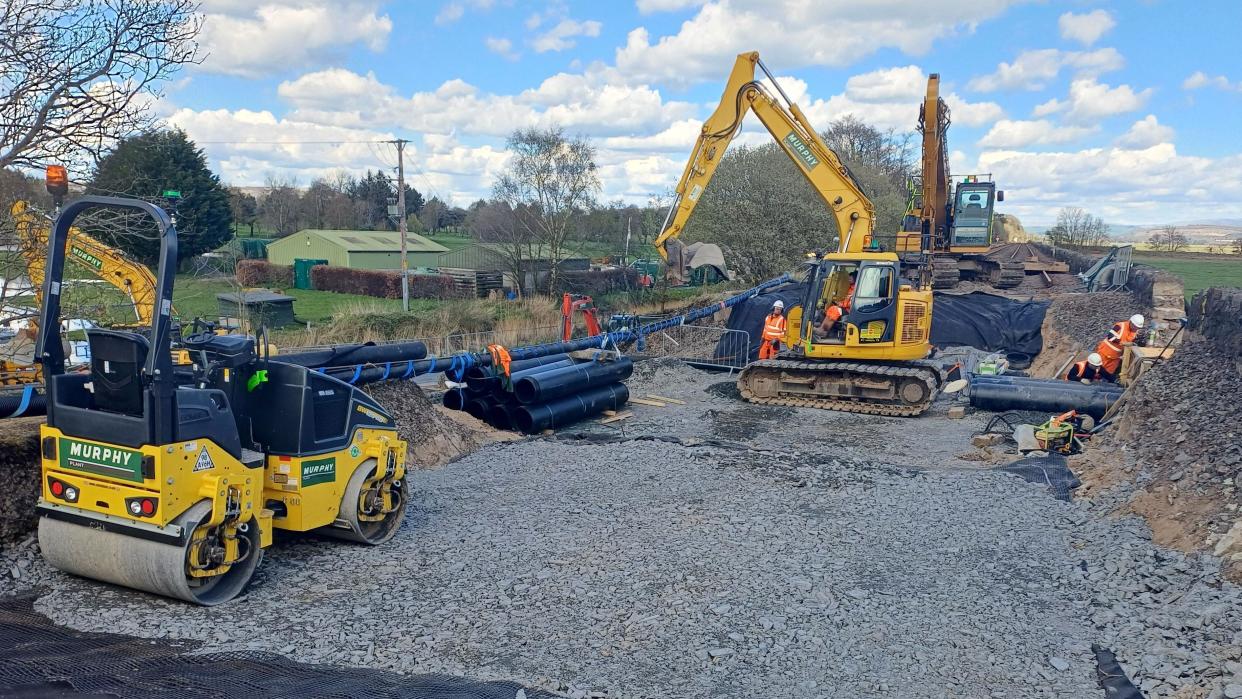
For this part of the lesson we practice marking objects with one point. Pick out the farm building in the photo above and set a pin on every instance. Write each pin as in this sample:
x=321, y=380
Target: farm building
x=491, y=257
x=355, y=249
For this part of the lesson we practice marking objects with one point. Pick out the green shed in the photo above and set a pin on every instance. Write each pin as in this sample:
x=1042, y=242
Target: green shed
x=355, y=249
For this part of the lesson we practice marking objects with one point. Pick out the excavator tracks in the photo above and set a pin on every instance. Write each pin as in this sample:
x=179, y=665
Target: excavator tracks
x=1006, y=275
x=898, y=390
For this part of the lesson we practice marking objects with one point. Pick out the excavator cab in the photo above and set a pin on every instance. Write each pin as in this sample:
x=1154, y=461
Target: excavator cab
x=863, y=293
x=972, y=214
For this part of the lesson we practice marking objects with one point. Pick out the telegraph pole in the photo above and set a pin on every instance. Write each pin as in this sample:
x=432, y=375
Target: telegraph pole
x=405, y=263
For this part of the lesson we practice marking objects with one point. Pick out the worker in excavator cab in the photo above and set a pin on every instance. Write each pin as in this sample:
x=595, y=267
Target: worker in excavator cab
x=1089, y=370
x=773, y=331
x=837, y=309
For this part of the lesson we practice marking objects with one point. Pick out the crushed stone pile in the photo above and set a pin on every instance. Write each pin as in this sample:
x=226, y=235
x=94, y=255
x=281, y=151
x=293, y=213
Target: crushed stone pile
x=435, y=435
x=19, y=461
x=666, y=376
x=1181, y=422
x=1088, y=317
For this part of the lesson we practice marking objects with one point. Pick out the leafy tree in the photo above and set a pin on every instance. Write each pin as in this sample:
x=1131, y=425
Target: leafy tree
x=149, y=164
x=76, y=76
x=372, y=194
x=433, y=214
x=549, y=181
x=766, y=216
x=243, y=208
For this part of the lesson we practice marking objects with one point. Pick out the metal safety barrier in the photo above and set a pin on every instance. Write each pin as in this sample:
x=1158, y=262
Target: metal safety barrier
x=705, y=345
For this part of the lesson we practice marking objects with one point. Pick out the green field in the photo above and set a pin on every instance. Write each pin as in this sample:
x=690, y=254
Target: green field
x=1200, y=271
x=196, y=297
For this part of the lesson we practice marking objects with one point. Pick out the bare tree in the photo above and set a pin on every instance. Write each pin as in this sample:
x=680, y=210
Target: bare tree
x=496, y=224
x=550, y=180
x=1077, y=228
x=280, y=208
x=76, y=75
x=1168, y=239
x=1237, y=246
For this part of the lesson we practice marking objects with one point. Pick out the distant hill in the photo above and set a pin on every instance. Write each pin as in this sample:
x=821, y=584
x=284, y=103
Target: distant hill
x=1206, y=232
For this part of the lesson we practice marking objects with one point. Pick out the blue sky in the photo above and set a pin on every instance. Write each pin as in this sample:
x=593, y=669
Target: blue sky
x=1128, y=109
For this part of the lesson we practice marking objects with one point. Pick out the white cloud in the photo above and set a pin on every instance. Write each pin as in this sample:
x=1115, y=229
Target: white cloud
x=1009, y=133
x=1086, y=28
x=501, y=47
x=1199, y=79
x=561, y=36
x=1122, y=185
x=578, y=102
x=885, y=98
x=1032, y=70
x=257, y=39
x=1145, y=133
x=452, y=11
x=1090, y=100
x=792, y=34
x=647, y=7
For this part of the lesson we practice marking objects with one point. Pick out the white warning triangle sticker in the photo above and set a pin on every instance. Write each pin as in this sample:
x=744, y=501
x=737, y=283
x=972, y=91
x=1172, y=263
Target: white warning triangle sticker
x=204, y=461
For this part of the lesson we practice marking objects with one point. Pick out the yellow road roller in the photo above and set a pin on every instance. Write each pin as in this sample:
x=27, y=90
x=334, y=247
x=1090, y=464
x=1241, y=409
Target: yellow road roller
x=172, y=479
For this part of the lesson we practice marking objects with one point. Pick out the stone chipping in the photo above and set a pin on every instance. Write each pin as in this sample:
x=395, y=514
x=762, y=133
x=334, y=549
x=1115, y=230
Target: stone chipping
x=720, y=549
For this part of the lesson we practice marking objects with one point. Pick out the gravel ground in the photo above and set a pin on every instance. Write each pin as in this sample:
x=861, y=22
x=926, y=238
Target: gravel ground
x=720, y=549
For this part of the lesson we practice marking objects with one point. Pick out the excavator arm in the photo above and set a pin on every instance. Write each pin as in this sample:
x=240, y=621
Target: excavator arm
x=109, y=264
x=854, y=213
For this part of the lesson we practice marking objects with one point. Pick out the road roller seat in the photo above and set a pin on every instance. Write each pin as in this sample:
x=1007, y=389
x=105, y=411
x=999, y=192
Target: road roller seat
x=117, y=358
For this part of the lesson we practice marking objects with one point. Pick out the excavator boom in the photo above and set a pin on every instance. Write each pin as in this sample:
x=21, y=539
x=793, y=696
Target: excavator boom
x=821, y=167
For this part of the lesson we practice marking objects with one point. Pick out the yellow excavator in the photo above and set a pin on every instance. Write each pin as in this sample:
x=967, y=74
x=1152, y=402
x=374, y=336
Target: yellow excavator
x=132, y=278
x=868, y=361
x=952, y=224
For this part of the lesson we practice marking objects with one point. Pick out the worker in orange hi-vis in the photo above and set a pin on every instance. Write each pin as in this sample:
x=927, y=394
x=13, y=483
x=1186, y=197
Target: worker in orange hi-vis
x=773, y=331
x=1111, y=348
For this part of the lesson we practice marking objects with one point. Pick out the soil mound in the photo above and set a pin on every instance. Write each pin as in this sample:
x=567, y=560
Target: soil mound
x=435, y=435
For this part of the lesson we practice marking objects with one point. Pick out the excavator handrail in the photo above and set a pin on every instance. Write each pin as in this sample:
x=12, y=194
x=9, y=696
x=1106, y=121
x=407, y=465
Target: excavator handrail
x=793, y=132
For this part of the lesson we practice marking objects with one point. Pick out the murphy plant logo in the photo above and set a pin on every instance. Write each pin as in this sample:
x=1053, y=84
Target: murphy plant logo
x=802, y=149
x=318, y=471
x=86, y=257
x=100, y=460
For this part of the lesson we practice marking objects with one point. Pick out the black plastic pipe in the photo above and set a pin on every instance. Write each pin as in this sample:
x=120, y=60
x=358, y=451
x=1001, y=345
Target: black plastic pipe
x=480, y=407
x=1000, y=393
x=493, y=384
x=479, y=372
x=501, y=416
x=544, y=386
x=368, y=353
x=23, y=403
x=454, y=399
x=571, y=409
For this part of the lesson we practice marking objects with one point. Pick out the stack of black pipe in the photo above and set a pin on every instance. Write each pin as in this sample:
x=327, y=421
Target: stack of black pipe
x=543, y=393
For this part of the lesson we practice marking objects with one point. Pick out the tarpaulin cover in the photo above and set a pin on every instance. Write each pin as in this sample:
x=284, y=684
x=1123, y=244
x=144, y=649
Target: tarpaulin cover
x=988, y=322
x=985, y=321
x=1051, y=470
x=748, y=316
x=40, y=659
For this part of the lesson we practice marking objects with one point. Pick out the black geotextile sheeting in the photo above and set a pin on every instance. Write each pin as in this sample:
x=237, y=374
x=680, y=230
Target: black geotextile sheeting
x=40, y=659
x=988, y=322
x=1051, y=470
x=1112, y=678
x=985, y=321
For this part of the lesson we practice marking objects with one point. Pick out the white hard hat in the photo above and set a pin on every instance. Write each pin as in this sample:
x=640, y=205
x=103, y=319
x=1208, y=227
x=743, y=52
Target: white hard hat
x=1136, y=320
x=779, y=304
x=1094, y=359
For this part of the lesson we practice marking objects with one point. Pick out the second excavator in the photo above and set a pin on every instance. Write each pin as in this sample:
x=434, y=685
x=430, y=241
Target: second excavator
x=857, y=341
